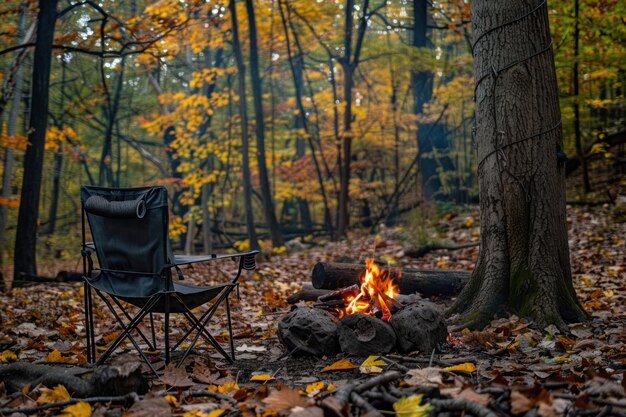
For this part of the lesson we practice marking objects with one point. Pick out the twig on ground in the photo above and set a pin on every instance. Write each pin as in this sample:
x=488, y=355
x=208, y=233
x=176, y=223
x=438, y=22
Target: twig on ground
x=471, y=407
x=128, y=398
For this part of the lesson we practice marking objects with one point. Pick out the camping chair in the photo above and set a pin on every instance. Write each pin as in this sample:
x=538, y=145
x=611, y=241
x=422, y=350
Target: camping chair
x=129, y=228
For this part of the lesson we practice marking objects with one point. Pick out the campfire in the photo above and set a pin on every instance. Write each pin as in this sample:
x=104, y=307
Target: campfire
x=365, y=314
x=375, y=295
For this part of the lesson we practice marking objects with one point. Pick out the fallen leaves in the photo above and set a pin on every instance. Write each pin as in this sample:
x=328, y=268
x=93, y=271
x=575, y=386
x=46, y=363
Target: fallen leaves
x=262, y=378
x=80, y=409
x=341, y=365
x=58, y=393
x=426, y=377
x=467, y=367
x=285, y=399
x=8, y=356
x=176, y=377
x=410, y=407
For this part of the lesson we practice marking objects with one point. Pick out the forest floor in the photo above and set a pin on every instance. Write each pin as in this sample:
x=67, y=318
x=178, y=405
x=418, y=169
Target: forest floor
x=509, y=368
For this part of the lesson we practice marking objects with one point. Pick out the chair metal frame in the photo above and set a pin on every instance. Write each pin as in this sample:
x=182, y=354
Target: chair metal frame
x=247, y=261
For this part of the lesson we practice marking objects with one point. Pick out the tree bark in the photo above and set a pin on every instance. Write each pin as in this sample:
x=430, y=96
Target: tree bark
x=26, y=233
x=524, y=264
x=255, y=78
x=243, y=117
x=577, y=134
x=431, y=137
x=330, y=276
x=7, y=174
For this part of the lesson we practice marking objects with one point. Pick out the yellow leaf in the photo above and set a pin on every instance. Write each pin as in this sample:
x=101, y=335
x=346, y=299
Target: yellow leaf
x=331, y=387
x=341, y=365
x=314, y=387
x=171, y=400
x=608, y=293
x=225, y=388
x=410, y=407
x=8, y=356
x=373, y=361
x=80, y=409
x=370, y=370
x=59, y=393
x=462, y=367
x=262, y=378
x=197, y=413
x=55, y=356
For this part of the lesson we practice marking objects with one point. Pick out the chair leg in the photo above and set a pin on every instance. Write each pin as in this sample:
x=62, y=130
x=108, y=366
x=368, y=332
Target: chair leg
x=145, y=339
x=167, y=329
x=90, y=360
x=230, y=329
x=126, y=333
x=152, y=328
x=91, y=326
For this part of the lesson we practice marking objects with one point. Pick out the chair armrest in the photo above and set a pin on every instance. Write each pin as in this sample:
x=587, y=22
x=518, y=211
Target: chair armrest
x=191, y=259
x=90, y=245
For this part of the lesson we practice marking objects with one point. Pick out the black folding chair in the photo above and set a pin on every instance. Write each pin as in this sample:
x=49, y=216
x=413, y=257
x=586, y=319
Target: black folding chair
x=129, y=228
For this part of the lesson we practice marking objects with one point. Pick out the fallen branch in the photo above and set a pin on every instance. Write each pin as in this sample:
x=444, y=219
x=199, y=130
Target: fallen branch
x=423, y=250
x=468, y=406
x=124, y=399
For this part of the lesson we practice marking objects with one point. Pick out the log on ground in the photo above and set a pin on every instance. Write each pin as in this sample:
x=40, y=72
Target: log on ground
x=330, y=276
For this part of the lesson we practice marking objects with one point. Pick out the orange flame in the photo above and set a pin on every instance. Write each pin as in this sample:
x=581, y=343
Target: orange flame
x=376, y=285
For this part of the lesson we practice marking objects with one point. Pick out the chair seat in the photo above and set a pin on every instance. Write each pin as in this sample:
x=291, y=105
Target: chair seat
x=141, y=289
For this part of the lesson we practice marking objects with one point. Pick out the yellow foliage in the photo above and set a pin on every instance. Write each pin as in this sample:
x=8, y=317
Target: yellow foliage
x=80, y=409
x=410, y=407
x=59, y=393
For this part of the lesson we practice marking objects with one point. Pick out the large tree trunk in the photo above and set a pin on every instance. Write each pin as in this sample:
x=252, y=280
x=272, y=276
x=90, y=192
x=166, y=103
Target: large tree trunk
x=255, y=78
x=243, y=116
x=524, y=263
x=26, y=233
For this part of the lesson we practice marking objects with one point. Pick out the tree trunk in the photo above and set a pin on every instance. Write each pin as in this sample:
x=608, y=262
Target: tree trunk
x=243, y=116
x=524, y=264
x=26, y=233
x=431, y=137
x=577, y=134
x=7, y=174
x=343, y=219
x=268, y=204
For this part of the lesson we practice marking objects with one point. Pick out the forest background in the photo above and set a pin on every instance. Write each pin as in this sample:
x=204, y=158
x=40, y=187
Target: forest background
x=355, y=112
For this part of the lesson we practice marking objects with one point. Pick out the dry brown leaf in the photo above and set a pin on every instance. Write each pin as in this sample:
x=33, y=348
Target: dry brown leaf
x=285, y=399
x=176, y=377
x=426, y=377
x=520, y=403
x=307, y=412
x=150, y=407
x=470, y=394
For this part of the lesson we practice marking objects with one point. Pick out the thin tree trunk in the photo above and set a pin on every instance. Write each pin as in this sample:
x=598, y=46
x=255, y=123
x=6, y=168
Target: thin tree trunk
x=297, y=72
x=57, y=164
x=26, y=233
x=255, y=78
x=343, y=220
x=524, y=263
x=207, y=241
x=105, y=174
x=7, y=174
x=243, y=117
x=577, y=136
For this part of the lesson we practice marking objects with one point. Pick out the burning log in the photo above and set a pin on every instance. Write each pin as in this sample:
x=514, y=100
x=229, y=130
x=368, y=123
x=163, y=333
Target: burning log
x=330, y=276
x=330, y=304
x=341, y=293
x=363, y=335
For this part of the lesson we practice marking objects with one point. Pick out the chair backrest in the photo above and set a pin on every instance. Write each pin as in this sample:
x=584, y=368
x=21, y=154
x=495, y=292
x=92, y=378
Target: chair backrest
x=129, y=227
